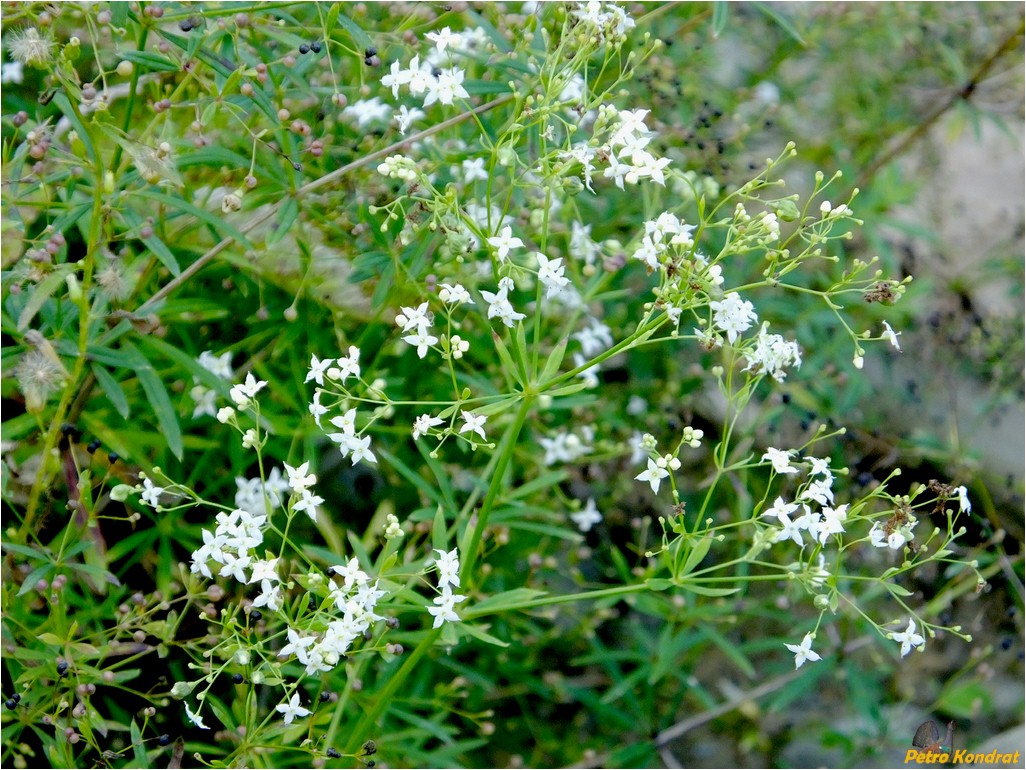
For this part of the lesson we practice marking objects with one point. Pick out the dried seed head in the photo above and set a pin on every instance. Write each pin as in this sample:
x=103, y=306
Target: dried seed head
x=29, y=47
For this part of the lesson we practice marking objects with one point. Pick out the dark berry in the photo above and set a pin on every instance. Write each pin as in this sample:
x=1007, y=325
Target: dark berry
x=256, y=614
x=311, y=603
x=325, y=696
x=304, y=48
x=62, y=668
x=164, y=740
x=369, y=52
x=315, y=47
x=370, y=747
x=113, y=457
x=16, y=697
x=333, y=753
x=11, y=703
x=371, y=763
x=93, y=445
x=237, y=678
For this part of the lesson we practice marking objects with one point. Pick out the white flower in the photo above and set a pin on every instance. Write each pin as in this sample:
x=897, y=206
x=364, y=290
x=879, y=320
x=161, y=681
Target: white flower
x=908, y=638
x=12, y=72
x=224, y=414
x=425, y=423
x=445, y=611
x=269, y=596
x=550, y=273
x=782, y=511
x=351, y=573
x=297, y=646
x=265, y=569
x=505, y=241
x=395, y=78
x=833, y=522
x=733, y=315
x=446, y=88
x=405, y=117
x=421, y=340
x=891, y=336
x=347, y=366
x=803, y=652
x=151, y=493
x=473, y=169
x=654, y=475
x=474, y=423
x=445, y=38
x=368, y=111
x=448, y=565
x=500, y=307
x=299, y=479
x=780, y=459
x=243, y=393
x=587, y=517
x=963, y=500
x=455, y=295
x=308, y=503
x=195, y=718
x=413, y=318
x=292, y=709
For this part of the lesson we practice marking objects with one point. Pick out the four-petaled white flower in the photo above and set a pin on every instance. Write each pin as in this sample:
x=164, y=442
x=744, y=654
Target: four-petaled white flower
x=292, y=709
x=654, y=475
x=587, y=517
x=245, y=392
x=908, y=638
x=780, y=459
x=505, y=241
x=550, y=273
x=803, y=652
x=423, y=424
x=473, y=422
x=963, y=500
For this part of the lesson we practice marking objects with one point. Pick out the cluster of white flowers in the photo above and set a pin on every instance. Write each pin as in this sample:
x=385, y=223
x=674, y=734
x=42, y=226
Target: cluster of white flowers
x=421, y=78
x=417, y=322
x=349, y=441
x=566, y=446
x=231, y=545
x=335, y=369
x=606, y=21
x=772, y=354
x=448, y=566
x=662, y=233
x=733, y=315
x=219, y=366
x=819, y=525
x=499, y=305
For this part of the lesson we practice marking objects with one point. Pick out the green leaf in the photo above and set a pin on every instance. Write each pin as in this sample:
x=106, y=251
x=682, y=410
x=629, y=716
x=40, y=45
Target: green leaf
x=411, y=476
x=153, y=62
x=286, y=218
x=137, y=745
x=659, y=584
x=439, y=529
x=721, y=10
x=64, y=104
x=481, y=634
x=118, y=14
x=697, y=554
x=782, y=21
x=706, y=591
x=361, y=38
x=112, y=390
x=554, y=361
x=156, y=394
x=29, y=584
x=898, y=590
x=485, y=87
x=507, y=361
x=506, y=600
x=41, y=294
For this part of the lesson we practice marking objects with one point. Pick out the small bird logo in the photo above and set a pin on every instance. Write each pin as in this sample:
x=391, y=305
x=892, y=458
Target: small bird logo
x=928, y=738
